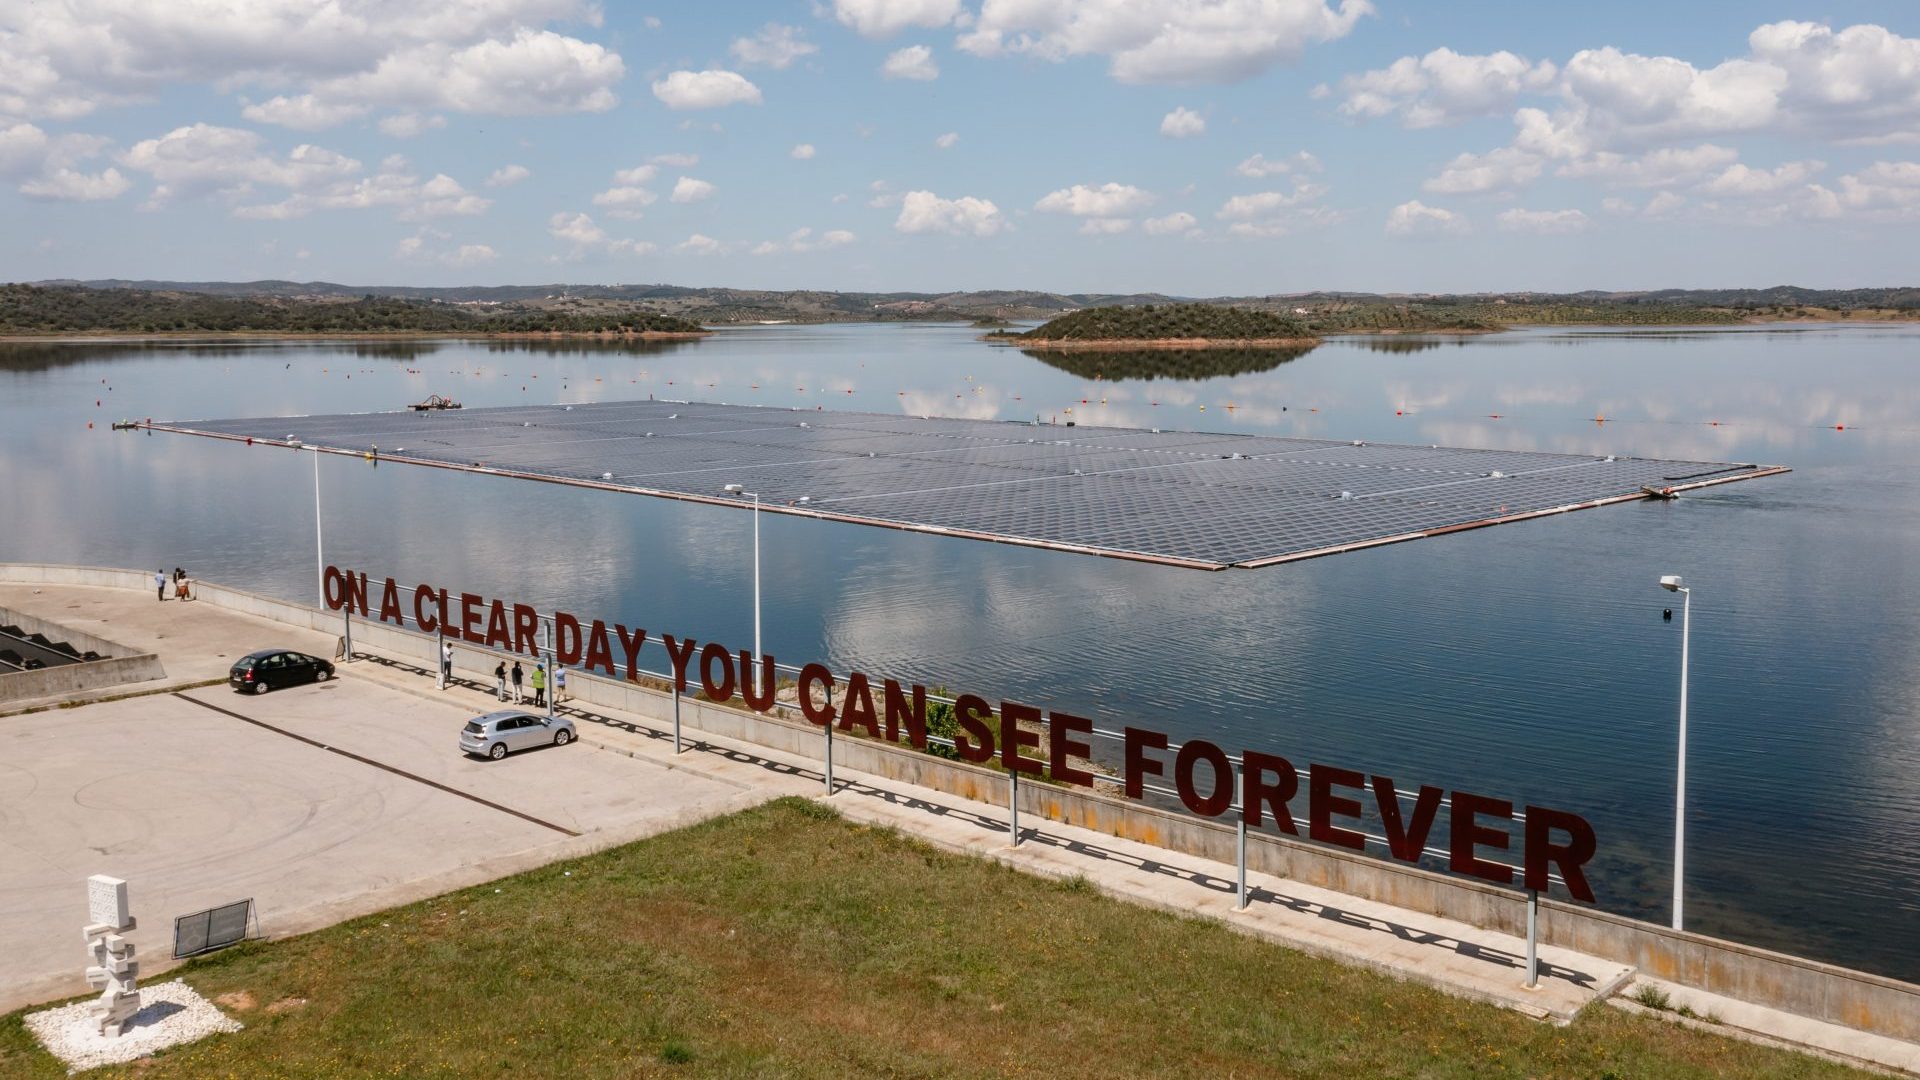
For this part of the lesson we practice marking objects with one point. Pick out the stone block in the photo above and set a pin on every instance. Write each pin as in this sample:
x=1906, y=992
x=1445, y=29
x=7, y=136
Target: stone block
x=107, y=902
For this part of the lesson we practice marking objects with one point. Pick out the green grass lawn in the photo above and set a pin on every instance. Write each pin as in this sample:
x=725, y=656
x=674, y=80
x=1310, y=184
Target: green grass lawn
x=786, y=941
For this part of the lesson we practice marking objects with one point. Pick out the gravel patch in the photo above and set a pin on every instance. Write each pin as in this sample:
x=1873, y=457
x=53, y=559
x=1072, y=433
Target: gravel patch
x=170, y=1014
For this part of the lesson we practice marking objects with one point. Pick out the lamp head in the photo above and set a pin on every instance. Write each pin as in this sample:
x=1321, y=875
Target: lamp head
x=735, y=489
x=1672, y=582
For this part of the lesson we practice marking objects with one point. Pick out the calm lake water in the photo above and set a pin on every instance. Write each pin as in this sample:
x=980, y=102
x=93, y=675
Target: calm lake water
x=1528, y=661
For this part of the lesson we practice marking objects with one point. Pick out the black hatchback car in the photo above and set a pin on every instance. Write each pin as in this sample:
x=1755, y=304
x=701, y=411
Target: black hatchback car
x=271, y=669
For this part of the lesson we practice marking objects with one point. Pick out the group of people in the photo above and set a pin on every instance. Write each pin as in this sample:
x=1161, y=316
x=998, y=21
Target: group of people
x=509, y=685
x=516, y=678
x=182, y=588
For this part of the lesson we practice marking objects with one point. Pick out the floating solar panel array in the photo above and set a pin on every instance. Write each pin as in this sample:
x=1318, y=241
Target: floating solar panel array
x=1177, y=497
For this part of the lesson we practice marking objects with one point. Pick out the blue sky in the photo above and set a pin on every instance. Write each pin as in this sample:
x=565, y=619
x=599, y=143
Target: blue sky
x=1196, y=147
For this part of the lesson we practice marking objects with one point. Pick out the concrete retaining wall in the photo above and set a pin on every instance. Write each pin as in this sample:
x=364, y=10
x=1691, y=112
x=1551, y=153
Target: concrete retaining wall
x=55, y=632
x=123, y=664
x=77, y=678
x=1803, y=987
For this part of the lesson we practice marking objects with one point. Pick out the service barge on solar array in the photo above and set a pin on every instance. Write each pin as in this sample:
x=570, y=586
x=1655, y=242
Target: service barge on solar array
x=1178, y=498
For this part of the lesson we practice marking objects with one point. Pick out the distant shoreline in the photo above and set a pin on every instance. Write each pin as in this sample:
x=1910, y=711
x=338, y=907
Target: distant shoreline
x=354, y=335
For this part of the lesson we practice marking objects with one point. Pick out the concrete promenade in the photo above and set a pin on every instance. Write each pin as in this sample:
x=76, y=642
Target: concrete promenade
x=624, y=782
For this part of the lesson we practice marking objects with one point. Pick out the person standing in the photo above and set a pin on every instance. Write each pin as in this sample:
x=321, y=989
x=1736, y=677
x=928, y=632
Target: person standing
x=559, y=684
x=539, y=685
x=160, y=585
x=446, y=660
x=500, y=680
x=517, y=698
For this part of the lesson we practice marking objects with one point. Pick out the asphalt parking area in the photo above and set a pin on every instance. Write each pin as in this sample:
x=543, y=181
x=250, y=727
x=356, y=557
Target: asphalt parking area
x=318, y=802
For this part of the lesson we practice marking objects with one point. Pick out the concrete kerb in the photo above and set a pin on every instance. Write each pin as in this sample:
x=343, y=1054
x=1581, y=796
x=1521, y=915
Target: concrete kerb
x=1803, y=987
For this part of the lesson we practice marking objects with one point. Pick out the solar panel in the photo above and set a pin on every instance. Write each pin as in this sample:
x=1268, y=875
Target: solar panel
x=1195, y=499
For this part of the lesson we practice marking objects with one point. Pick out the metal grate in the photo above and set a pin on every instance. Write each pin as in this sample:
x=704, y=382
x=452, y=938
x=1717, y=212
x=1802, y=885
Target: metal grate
x=1183, y=498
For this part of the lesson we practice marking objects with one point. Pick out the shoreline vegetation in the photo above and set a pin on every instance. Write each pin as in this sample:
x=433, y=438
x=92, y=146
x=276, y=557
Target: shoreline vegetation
x=63, y=310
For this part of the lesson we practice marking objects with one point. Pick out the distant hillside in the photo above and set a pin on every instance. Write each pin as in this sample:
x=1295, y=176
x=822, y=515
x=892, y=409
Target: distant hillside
x=1167, y=322
x=1322, y=312
x=707, y=305
x=32, y=309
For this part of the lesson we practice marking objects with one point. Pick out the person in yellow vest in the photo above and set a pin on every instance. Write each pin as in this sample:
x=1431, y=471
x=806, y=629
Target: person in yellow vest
x=540, y=685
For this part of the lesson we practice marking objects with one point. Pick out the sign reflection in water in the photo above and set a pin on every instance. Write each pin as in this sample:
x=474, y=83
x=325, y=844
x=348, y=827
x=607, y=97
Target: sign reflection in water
x=1529, y=659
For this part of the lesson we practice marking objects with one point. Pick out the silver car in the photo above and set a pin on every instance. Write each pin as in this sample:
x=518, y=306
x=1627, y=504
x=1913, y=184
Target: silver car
x=496, y=733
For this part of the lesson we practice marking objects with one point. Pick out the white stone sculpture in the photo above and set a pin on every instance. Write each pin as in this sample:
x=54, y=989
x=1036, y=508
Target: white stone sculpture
x=114, y=970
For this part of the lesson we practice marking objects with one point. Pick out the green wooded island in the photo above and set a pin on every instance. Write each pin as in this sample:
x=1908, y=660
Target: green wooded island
x=1166, y=326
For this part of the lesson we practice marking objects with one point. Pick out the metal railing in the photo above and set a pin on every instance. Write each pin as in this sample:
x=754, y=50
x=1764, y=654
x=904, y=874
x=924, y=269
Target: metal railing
x=1169, y=796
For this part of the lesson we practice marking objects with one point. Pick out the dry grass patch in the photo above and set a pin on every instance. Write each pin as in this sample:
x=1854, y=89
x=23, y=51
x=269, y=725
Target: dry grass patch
x=786, y=941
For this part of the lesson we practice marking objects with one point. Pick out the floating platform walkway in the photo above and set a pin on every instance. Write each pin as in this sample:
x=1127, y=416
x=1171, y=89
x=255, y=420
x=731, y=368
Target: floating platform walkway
x=1180, y=498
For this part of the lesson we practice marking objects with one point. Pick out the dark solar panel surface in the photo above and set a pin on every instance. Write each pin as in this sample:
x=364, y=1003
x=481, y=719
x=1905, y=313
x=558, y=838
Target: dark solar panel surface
x=1182, y=497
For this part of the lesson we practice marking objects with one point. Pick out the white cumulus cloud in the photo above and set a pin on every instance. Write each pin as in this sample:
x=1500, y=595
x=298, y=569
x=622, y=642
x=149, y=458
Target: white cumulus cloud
x=1418, y=219
x=624, y=200
x=1259, y=167
x=705, y=90
x=1163, y=41
x=1183, y=123
x=508, y=175
x=775, y=46
x=302, y=112
x=1107, y=201
x=801, y=152
x=1657, y=168
x=421, y=247
x=913, y=62
x=325, y=62
x=1544, y=222
x=71, y=185
x=46, y=165
x=689, y=190
x=947, y=141
x=1496, y=170
x=925, y=212
x=885, y=18
x=804, y=240
x=1445, y=87
x=584, y=238
x=1739, y=180
x=1177, y=222
x=409, y=125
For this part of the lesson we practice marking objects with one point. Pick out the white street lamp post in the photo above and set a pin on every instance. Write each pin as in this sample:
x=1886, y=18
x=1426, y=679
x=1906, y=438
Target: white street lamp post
x=319, y=557
x=1673, y=583
x=737, y=489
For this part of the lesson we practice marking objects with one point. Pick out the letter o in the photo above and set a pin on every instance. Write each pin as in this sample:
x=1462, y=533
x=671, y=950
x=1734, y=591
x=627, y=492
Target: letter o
x=336, y=589
x=722, y=689
x=1215, y=804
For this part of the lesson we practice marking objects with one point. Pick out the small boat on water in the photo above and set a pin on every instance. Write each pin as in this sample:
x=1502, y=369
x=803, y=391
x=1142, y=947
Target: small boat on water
x=435, y=402
x=125, y=425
